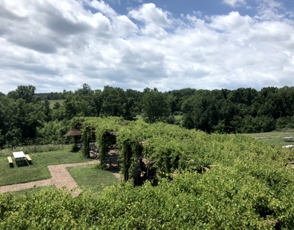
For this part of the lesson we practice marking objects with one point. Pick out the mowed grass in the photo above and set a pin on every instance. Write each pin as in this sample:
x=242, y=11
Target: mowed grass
x=31, y=191
x=275, y=137
x=90, y=177
x=38, y=170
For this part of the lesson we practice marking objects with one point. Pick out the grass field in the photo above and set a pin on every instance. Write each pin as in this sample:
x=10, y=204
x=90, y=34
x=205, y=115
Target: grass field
x=38, y=170
x=31, y=191
x=90, y=177
x=275, y=137
x=52, y=102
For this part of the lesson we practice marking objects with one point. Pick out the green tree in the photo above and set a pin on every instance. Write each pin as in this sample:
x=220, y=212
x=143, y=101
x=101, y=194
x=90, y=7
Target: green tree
x=155, y=106
x=23, y=92
x=116, y=103
x=83, y=102
x=201, y=110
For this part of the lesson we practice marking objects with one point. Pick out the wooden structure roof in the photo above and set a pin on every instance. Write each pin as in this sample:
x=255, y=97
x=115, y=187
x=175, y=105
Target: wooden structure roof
x=73, y=133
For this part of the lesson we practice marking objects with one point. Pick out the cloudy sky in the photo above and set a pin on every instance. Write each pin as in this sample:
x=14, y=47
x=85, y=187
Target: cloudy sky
x=168, y=44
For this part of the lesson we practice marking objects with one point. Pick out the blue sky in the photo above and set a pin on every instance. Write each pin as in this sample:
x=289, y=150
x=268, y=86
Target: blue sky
x=61, y=44
x=177, y=7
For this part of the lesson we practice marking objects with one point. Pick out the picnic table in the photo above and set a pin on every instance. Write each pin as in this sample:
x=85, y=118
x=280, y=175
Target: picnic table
x=19, y=156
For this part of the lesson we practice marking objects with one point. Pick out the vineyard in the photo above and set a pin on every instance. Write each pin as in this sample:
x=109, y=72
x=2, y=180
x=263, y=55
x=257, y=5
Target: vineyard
x=192, y=181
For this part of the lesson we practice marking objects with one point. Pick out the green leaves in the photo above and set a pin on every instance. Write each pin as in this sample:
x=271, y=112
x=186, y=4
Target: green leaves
x=155, y=106
x=248, y=188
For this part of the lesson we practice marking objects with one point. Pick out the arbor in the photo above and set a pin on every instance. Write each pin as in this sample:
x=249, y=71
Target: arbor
x=155, y=106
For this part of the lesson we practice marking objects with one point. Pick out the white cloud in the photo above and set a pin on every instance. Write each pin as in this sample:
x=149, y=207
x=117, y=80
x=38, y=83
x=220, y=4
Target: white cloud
x=60, y=44
x=101, y=6
x=149, y=13
x=234, y=3
x=269, y=10
x=232, y=21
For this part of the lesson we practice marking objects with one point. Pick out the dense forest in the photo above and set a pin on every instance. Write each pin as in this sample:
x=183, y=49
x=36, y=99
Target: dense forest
x=27, y=117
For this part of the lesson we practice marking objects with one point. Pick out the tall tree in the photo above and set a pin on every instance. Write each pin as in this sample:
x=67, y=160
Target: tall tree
x=23, y=92
x=155, y=106
x=201, y=111
x=115, y=103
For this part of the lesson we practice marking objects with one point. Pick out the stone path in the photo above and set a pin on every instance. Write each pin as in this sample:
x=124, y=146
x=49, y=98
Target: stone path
x=60, y=178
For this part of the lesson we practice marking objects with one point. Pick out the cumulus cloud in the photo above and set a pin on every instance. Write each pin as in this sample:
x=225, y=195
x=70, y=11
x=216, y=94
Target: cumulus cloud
x=234, y=3
x=61, y=44
x=269, y=10
x=150, y=14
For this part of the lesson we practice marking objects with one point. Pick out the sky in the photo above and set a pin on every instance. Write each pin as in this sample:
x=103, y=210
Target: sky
x=58, y=45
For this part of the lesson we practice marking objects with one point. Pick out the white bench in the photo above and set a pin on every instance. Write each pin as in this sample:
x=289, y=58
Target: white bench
x=9, y=160
x=28, y=157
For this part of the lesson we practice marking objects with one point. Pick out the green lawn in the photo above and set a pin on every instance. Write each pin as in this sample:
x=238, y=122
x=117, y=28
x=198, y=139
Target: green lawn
x=38, y=170
x=31, y=191
x=90, y=177
x=275, y=137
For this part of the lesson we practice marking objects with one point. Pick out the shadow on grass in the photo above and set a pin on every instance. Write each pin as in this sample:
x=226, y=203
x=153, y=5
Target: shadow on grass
x=22, y=163
x=113, y=169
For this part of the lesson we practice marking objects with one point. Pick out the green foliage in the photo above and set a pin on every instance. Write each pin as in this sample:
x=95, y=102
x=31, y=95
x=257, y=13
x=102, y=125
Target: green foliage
x=239, y=111
x=23, y=92
x=203, y=111
x=238, y=197
x=155, y=106
x=169, y=147
x=115, y=103
x=54, y=131
x=249, y=186
x=285, y=123
x=25, y=117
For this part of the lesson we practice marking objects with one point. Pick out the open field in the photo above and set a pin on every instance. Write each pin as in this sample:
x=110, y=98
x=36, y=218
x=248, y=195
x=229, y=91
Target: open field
x=38, y=170
x=275, y=137
x=52, y=102
x=90, y=177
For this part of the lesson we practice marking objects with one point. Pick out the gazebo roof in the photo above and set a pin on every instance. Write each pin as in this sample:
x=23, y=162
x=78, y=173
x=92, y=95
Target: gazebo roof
x=73, y=132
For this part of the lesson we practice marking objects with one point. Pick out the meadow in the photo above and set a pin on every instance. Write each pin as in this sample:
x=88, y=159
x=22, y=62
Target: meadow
x=52, y=102
x=274, y=137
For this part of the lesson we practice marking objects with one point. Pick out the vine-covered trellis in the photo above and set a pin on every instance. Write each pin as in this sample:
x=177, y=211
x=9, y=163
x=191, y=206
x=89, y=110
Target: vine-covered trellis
x=162, y=146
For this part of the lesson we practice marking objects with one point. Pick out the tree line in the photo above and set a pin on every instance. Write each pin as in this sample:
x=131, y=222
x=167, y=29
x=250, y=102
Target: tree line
x=28, y=118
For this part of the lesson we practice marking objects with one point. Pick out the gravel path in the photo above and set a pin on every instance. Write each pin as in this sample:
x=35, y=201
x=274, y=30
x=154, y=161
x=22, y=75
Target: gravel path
x=60, y=178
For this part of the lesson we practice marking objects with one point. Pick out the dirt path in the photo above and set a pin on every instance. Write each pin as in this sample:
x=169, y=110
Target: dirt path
x=60, y=178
